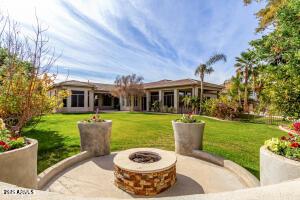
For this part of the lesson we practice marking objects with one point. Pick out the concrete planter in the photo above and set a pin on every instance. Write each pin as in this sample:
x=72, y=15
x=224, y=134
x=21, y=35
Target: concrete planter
x=188, y=137
x=95, y=137
x=19, y=166
x=275, y=168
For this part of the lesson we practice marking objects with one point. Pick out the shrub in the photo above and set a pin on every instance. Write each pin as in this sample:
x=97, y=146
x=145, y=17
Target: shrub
x=221, y=108
x=156, y=106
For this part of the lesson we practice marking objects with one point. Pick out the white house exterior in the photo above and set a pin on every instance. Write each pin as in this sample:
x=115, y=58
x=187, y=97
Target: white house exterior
x=88, y=96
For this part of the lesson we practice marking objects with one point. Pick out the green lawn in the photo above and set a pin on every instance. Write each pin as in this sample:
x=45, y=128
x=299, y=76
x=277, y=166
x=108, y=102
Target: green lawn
x=240, y=142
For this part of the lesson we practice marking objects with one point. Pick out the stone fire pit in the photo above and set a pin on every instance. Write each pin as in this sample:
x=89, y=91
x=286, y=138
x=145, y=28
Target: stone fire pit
x=145, y=171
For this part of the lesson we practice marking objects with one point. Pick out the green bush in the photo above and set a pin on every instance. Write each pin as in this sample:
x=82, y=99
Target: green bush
x=222, y=108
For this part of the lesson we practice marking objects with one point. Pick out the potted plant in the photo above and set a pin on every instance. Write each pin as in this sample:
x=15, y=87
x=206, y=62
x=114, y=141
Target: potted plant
x=279, y=159
x=188, y=134
x=18, y=158
x=95, y=135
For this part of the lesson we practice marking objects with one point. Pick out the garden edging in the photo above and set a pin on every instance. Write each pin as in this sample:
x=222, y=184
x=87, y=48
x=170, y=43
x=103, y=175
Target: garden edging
x=45, y=177
x=249, y=179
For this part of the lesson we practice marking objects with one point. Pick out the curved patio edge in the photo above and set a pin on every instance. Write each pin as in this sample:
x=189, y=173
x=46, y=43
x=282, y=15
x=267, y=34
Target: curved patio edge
x=286, y=190
x=242, y=173
x=45, y=177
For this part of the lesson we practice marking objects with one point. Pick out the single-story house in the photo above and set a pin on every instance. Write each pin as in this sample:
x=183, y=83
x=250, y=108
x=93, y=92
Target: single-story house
x=88, y=96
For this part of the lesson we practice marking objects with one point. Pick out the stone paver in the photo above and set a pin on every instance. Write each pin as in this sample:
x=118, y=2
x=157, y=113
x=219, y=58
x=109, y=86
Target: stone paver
x=95, y=178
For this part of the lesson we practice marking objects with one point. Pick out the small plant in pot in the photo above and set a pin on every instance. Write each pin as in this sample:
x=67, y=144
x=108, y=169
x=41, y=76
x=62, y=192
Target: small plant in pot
x=188, y=134
x=95, y=135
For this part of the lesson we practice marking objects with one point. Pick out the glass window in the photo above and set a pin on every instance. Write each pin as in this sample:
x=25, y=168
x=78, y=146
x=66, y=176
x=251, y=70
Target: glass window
x=169, y=99
x=77, y=98
x=107, y=100
x=136, y=100
x=65, y=102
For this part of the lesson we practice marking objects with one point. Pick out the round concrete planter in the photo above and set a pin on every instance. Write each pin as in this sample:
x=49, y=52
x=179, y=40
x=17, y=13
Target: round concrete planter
x=188, y=137
x=19, y=166
x=95, y=137
x=275, y=168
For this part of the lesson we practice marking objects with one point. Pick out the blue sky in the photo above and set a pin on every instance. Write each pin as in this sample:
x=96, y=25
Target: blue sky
x=158, y=39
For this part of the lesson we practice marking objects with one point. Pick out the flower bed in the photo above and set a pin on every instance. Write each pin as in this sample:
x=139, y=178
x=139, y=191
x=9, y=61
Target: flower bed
x=287, y=146
x=8, y=141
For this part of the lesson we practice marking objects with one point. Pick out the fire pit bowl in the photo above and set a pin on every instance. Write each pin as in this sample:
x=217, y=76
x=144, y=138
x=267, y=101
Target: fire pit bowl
x=145, y=171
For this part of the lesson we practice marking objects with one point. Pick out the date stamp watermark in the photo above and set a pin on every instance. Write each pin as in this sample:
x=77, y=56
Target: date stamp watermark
x=16, y=191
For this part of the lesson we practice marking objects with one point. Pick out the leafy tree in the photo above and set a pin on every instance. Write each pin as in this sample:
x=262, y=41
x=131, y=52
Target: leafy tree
x=129, y=86
x=207, y=68
x=267, y=15
x=279, y=57
x=25, y=77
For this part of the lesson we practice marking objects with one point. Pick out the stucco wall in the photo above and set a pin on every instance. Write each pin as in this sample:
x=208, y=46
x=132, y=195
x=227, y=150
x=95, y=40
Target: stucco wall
x=276, y=169
x=19, y=166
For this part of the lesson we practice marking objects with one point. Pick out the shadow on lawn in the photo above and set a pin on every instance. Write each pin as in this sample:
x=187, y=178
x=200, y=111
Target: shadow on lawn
x=52, y=147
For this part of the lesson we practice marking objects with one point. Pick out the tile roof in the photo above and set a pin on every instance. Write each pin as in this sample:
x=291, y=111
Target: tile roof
x=151, y=85
x=181, y=82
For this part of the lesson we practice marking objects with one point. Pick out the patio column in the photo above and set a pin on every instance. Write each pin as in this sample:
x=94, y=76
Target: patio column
x=140, y=103
x=176, y=100
x=91, y=100
x=196, y=93
x=148, y=96
x=69, y=103
x=86, y=108
x=160, y=99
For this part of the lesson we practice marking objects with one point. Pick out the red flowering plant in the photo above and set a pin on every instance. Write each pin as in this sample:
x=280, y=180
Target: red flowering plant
x=7, y=141
x=296, y=126
x=287, y=146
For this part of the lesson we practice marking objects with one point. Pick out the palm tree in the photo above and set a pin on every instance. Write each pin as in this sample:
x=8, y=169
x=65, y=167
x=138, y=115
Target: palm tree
x=206, y=68
x=128, y=86
x=237, y=85
x=244, y=64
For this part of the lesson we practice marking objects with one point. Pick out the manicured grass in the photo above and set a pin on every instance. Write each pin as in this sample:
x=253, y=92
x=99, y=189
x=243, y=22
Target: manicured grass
x=240, y=142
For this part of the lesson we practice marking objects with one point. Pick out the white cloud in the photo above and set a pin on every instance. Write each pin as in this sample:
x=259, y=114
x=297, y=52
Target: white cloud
x=156, y=39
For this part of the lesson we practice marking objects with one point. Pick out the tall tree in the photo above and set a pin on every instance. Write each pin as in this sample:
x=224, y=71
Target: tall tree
x=278, y=53
x=25, y=74
x=207, y=68
x=267, y=15
x=244, y=64
x=129, y=87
